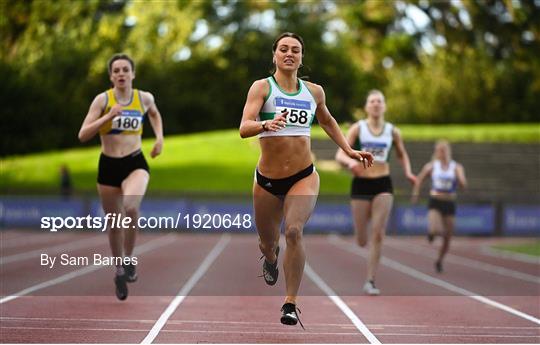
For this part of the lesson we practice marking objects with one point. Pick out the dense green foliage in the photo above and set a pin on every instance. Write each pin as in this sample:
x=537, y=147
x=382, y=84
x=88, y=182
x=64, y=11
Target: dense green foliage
x=437, y=62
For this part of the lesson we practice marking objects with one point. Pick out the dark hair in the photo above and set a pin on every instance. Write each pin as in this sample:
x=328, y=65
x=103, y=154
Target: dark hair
x=288, y=34
x=283, y=35
x=120, y=56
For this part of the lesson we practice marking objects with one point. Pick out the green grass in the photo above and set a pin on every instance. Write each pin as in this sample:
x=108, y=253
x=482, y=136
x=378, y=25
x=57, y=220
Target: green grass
x=529, y=248
x=516, y=133
x=217, y=161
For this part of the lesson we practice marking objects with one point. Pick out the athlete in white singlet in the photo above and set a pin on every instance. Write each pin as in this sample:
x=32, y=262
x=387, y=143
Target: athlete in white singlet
x=446, y=175
x=280, y=110
x=372, y=191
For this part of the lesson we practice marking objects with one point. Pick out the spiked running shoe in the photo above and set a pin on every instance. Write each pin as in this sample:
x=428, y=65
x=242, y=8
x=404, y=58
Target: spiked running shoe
x=289, y=315
x=121, y=287
x=131, y=274
x=370, y=289
x=438, y=266
x=271, y=271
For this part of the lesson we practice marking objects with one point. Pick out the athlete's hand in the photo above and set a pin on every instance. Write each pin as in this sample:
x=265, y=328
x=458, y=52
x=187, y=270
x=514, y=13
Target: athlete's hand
x=278, y=123
x=156, y=150
x=362, y=156
x=355, y=167
x=115, y=111
x=411, y=178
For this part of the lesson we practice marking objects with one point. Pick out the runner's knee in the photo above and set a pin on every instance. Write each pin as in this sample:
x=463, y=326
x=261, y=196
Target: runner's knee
x=293, y=234
x=132, y=211
x=361, y=241
x=378, y=237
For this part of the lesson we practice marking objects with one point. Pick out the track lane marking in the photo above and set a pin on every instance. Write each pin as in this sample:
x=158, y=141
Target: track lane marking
x=341, y=305
x=471, y=263
x=60, y=248
x=284, y=333
x=148, y=246
x=185, y=290
x=431, y=280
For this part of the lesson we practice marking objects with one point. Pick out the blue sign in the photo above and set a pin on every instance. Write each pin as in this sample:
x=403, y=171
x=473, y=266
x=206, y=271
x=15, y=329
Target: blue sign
x=470, y=219
x=27, y=211
x=330, y=218
x=521, y=220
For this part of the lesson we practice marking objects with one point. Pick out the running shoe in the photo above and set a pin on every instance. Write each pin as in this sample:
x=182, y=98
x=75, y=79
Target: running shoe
x=438, y=266
x=289, y=315
x=121, y=286
x=370, y=289
x=131, y=274
x=270, y=271
x=430, y=238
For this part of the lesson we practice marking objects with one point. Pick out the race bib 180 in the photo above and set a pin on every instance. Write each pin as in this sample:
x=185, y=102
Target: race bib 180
x=128, y=121
x=299, y=111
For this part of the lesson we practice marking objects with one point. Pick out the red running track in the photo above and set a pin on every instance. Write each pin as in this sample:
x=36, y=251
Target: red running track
x=478, y=299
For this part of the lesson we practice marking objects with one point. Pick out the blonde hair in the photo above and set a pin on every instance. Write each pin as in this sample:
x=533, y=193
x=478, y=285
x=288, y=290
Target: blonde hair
x=448, y=149
x=374, y=92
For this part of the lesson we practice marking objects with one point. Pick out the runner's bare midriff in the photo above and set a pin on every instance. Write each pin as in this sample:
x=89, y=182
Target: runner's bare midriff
x=119, y=145
x=443, y=195
x=379, y=169
x=284, y=156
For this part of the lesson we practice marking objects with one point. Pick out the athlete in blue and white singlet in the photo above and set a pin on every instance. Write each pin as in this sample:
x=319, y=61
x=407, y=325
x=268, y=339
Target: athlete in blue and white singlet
x=446, y=175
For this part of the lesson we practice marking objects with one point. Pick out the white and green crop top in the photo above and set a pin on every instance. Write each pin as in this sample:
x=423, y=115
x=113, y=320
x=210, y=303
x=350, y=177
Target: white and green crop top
x=300, y=104
x=379, y=145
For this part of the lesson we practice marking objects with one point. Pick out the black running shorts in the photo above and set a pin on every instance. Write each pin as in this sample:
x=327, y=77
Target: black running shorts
x=113, y=171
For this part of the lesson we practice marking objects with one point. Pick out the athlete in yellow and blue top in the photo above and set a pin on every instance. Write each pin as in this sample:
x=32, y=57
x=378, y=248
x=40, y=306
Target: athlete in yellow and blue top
x=280, y=110
x=130, y=121
x=123, y=173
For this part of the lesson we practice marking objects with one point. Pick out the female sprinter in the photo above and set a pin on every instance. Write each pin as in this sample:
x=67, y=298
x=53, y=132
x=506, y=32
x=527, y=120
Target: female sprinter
x=446, y=174
x=280, y=109
x=372, y=191
x=123, y=174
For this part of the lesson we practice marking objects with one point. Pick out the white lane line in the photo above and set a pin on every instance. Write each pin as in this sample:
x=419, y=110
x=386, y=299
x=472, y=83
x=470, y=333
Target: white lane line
x=453, y=258
x=31, y=237
x=60, y=248
x=274, y=334
x=431, y=280
x=184, y=291
x=501, y=254
x=341, y=304
x=205, y=331
x=255, y=323
x=459, y=335
x=151, y=245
